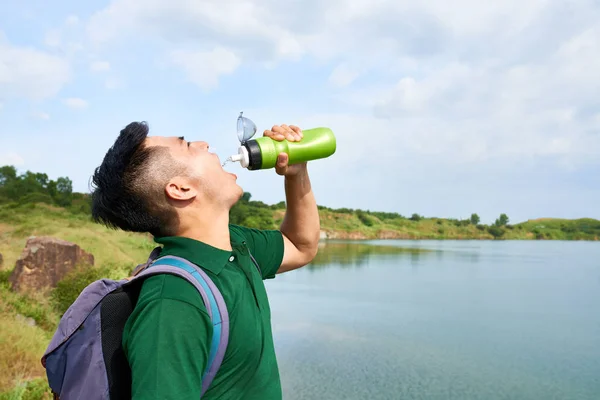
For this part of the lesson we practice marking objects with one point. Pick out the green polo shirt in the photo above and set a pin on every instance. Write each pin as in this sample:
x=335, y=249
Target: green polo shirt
x=167, y=337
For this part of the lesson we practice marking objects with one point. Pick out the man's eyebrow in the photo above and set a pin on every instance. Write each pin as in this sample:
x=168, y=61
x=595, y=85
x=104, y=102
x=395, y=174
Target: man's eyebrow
x=181, y=138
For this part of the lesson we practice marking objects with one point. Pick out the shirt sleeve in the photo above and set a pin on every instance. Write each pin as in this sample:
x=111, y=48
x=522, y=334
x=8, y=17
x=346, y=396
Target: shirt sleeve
x=167, y=348
x=267, y=248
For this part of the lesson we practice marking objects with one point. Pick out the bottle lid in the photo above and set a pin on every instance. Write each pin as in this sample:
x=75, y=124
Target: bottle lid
x=246, y=129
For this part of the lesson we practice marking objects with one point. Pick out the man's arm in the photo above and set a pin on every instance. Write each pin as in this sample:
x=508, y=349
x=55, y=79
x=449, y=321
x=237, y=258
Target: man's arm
x=301, y=226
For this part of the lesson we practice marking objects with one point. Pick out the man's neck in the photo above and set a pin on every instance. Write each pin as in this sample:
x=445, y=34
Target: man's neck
x=211, y=228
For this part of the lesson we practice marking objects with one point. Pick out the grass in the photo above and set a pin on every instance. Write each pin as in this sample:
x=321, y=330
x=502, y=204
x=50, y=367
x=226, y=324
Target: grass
x=21, y=347
x=364, y=225
x=109, y=247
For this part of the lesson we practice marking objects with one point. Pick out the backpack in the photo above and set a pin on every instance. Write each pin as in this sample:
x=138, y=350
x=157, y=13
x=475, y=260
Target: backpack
x=85, y=358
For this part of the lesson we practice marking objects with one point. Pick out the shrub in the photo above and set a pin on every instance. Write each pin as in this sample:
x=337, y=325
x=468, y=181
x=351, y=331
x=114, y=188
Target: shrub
x=36, y=197
x=496, y=232
x=364, y=218
x=69, y=288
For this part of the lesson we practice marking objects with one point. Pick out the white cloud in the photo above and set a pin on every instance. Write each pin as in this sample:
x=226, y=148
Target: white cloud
x=205, y=68
x=30, y=73
x=11, y=159
x=40, y=115
x=465, y=81
x=112, y=83
x=343, y=75
x=75, y=103
x=72, y=20
x=100, y=66
x=53, y=38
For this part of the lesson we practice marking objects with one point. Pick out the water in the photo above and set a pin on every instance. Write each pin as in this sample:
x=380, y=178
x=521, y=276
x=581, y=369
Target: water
x=227, y=161
x=441, y=320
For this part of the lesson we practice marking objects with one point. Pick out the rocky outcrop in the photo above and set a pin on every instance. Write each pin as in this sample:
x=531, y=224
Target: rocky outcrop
x=343, y=235
x=45, y=261
x=1, y=261
x=353, y=235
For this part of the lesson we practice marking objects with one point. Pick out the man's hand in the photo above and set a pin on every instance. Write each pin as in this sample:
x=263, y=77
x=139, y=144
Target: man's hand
x=290, y=133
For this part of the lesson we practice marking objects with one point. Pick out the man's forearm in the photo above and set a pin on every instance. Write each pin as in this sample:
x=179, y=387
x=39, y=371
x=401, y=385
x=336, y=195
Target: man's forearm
x=301, y=223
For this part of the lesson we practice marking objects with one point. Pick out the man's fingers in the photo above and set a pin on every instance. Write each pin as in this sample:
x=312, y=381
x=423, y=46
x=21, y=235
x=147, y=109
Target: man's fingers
x=280, y=132
x=274, y=135
x=282, y=164
x=297, y=130
x=286, y=131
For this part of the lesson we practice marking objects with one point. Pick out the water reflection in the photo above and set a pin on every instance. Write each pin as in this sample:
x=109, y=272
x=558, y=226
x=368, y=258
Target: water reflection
x=358, y=254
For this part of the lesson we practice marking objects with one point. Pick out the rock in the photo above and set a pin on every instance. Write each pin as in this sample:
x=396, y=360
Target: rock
x=45, y=261
x=27, y=320
x=1, y=261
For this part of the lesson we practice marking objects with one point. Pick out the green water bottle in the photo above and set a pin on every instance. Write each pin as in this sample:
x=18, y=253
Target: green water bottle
x=262, y=153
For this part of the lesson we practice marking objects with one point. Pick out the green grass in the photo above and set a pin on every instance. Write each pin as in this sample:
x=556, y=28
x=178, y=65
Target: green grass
x=365, y=225
x=109, y=247
x=21, y=347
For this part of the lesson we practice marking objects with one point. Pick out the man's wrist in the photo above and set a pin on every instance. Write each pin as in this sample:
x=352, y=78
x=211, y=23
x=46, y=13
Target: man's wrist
x=300, y=173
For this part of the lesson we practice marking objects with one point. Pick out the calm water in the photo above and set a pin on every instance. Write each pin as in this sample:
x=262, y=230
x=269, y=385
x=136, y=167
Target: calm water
x=463, y=320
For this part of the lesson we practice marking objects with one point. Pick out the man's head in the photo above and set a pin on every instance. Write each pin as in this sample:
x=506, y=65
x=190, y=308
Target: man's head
x=146, y=184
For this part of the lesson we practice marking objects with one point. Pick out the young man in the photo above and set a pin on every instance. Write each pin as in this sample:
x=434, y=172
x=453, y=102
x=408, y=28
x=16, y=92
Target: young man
x=177, y=191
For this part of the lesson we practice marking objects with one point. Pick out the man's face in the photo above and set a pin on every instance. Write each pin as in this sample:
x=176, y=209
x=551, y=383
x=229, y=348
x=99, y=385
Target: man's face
x=204, y=170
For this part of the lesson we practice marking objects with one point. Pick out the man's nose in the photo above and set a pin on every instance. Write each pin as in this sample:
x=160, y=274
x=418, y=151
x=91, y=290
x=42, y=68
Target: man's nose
x=201, y=145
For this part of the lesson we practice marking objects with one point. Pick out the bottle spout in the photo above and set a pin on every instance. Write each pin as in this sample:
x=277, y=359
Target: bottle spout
x=236, y=157
x=242, y=157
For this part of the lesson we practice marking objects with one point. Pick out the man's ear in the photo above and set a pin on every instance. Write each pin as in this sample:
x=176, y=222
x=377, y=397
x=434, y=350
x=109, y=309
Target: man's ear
x=181, y=189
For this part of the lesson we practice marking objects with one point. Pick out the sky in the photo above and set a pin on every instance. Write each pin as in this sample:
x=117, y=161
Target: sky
x=439, y=108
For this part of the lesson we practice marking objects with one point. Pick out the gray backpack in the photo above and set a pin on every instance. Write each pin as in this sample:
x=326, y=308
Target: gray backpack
x=85, y=359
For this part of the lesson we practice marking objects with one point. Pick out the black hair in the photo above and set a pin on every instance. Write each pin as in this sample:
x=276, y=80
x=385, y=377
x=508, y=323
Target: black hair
x=129, y=185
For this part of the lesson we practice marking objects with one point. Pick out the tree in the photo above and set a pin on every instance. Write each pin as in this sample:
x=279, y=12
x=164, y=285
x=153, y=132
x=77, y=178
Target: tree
x=246, y=197
x=8, y=174
x=502, y=220
x=415, y=217
x=64, y=192
x=475, y=219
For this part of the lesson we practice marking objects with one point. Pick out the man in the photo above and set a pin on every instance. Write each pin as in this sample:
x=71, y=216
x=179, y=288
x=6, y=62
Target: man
x=178, y=192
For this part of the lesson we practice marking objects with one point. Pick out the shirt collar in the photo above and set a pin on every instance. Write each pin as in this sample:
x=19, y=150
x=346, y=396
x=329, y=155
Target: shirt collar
x=203, y=255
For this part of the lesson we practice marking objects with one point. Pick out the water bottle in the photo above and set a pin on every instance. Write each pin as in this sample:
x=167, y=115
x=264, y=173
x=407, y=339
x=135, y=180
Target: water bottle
x=261, y=153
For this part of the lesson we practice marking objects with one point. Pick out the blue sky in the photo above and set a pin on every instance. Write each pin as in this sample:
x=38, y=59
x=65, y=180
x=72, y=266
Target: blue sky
x=440, y=108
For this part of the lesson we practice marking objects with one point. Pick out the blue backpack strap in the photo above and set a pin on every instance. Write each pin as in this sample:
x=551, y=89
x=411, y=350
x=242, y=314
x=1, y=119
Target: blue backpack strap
x=215, y=305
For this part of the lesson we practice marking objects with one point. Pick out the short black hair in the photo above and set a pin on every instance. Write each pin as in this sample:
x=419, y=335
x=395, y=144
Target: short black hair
x=129, y=185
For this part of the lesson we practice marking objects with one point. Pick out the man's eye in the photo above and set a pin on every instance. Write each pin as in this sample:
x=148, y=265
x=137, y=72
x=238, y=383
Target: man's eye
x=188, y=144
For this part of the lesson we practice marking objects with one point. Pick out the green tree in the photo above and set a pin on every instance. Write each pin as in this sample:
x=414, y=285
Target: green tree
x=246, y=197
x=502, y=220
x=415, y=217
x=475, y=219
x=64, y=192
x=8, y=174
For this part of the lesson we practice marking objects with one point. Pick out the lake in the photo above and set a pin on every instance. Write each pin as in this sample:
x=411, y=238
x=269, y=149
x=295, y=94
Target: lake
x=441, y=320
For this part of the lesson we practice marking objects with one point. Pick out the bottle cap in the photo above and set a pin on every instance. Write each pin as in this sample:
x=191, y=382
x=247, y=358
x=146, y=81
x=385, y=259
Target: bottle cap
x=246, y=129
x=242, y=157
